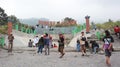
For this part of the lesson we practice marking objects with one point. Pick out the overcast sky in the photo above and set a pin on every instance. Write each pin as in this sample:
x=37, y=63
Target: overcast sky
x=98, y=10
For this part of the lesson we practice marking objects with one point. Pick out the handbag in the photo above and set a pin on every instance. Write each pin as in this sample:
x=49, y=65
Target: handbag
x=111, y=48
x=82, y=42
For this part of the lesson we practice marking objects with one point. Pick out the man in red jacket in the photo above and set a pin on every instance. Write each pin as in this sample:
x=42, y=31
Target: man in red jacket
x=117, y=30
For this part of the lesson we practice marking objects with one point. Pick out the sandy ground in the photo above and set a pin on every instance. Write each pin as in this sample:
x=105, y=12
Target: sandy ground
x=27, y=57
x=21, y=58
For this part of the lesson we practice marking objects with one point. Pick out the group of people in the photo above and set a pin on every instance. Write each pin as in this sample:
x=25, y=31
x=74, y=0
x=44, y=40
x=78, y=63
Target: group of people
x=94, y=46
x=45, y=41
x=82, y=44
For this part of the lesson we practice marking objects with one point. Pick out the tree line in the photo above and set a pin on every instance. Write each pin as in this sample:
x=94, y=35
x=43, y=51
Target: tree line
x=109, y=25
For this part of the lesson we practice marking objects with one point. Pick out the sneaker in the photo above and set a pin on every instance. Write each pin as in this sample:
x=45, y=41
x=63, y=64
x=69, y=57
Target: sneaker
x=45, y=53
x=109, y=65
x=82, y=54
x=37, y=51
x=63, y=54
x=60, y=56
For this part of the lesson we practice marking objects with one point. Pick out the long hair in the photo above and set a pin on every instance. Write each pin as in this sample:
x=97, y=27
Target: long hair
x=107, y=33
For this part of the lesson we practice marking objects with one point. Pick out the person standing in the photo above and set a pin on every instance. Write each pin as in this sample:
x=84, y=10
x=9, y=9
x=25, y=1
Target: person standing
x=40, y=44
x=10, y=45
x=82, y=43
x=107, y=46
x=35, y=41
x=50, y=41
x=61, y=45
x=46, y=44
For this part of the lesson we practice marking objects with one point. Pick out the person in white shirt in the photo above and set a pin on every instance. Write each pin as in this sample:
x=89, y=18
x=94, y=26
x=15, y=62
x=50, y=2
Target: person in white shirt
x=35, y=41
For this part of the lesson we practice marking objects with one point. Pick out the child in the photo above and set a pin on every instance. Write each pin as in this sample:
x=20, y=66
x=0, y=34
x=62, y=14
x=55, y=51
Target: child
x=55, y=46
x=78, y=45
x=30, y=43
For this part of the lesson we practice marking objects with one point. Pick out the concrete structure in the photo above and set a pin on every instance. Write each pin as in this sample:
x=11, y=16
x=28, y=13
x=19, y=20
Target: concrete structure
x=54, y=23
x=9, y=27
x=47, y=23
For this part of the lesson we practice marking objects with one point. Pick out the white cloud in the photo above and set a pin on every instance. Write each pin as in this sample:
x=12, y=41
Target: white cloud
x=58, y=9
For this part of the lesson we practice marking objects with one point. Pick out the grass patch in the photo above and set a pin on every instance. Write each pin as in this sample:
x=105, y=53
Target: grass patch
x=3, y=29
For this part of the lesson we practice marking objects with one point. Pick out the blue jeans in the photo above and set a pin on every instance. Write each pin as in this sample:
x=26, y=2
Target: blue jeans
x=78, y=47
x=95, y=49
x=40, y=48
x=47, y=49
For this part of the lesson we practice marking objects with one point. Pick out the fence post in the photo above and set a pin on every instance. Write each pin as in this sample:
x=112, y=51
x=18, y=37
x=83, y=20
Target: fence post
x=2, y=41
x=16, y=27
x=98, y=35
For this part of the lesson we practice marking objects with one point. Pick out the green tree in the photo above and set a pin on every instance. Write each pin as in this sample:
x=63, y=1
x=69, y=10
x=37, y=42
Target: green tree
x=3, y=17
x=108, y=25
x=67, y=19
x=13, y=19
x=117, y=23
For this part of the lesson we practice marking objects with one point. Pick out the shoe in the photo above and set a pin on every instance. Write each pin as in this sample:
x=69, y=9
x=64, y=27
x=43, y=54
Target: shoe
x=63, y=54
x=109, y=65
x=60, y=56
x=45, y=53
x=82, y=54
x=8, y=50
x=37, y=51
